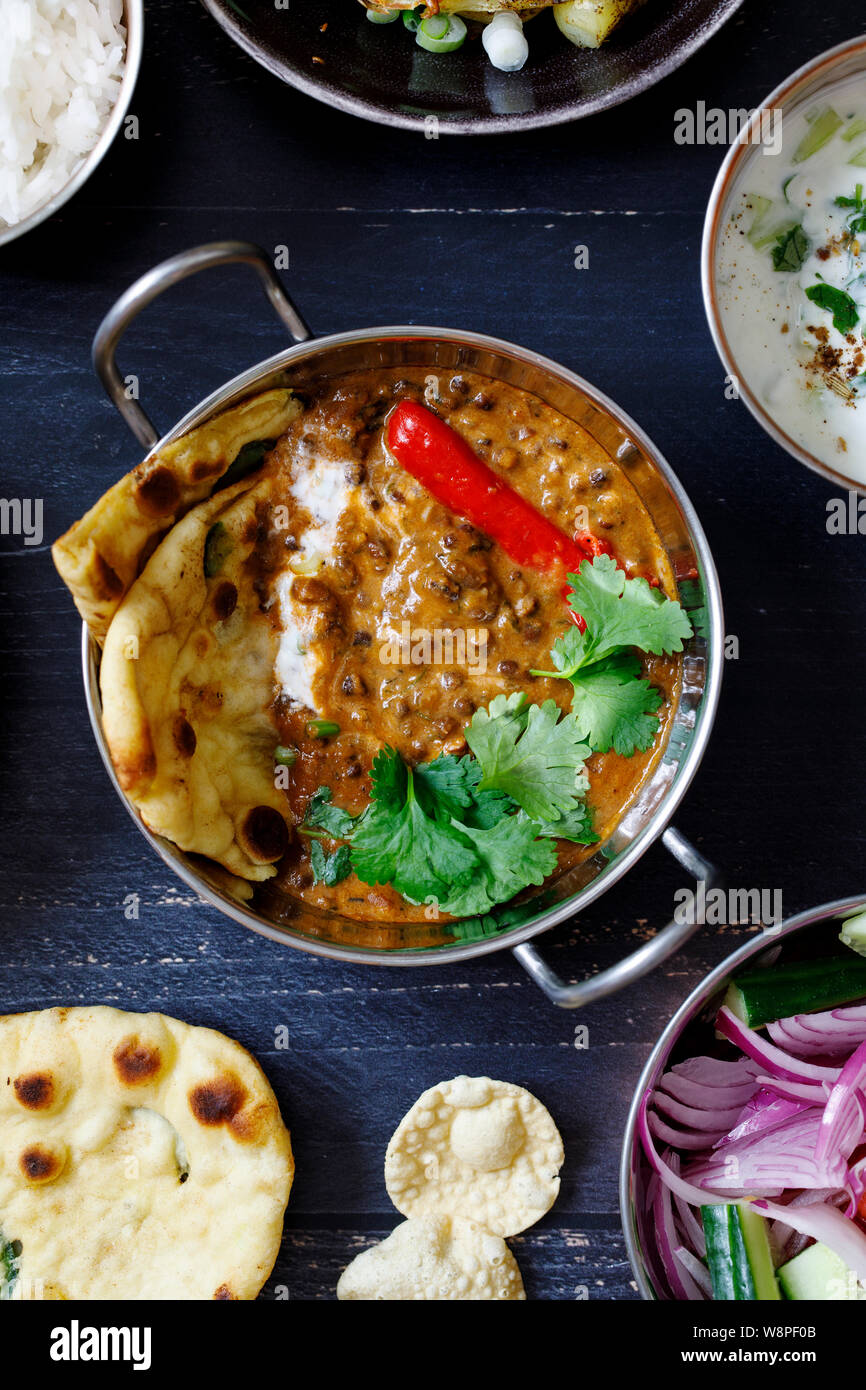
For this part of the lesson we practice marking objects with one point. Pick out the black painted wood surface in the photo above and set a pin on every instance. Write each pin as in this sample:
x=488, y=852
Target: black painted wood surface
x=385, y=227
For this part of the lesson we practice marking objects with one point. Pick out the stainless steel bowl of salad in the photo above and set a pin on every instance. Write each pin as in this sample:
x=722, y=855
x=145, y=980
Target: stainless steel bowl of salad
x=744, y=1163
x=784, y=264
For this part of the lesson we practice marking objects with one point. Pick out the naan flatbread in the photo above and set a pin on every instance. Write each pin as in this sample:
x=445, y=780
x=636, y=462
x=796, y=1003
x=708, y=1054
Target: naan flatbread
x=140, y=1158
x=100, y=556
x=187, y=679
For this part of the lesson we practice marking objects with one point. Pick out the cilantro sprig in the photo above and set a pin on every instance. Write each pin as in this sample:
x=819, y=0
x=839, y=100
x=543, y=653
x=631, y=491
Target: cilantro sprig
x=613, y=706
x=839, y=303
x=530, y=754
x=469, y=834
x=857, y=210
x=791, y=249
x=465, y=834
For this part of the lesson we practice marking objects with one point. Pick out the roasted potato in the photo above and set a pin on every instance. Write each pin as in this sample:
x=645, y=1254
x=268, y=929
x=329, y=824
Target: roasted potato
x=588, y=23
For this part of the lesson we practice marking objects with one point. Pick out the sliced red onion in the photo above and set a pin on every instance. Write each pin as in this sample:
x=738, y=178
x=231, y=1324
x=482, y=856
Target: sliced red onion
x=856, y=1185
x=845, y=1112
x=681, y=1282
x=770, y=1161
x=683, y=1139
x=763, y=1111
x=772, y=1059
x=696, y=1268
x=692, y=1228
x=689, y=1193
x=835, y=1032
x=718, y=1120
x=710, y=1084
x=826, y=1224
x=810, y=1092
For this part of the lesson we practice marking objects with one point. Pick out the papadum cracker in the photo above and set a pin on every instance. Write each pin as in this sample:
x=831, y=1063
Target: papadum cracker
x=483, y=1150
x=434, y=1259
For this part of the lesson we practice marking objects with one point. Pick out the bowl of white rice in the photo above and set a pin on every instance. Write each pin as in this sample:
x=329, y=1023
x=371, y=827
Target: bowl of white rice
x=67, y=73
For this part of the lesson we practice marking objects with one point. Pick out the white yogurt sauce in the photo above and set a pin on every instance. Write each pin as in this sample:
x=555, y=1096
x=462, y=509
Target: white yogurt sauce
x=805, y=361
x=320, y=490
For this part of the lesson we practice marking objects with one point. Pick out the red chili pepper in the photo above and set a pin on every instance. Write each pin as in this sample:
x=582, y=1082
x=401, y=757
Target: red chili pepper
x=595, y=545
x=445, y=464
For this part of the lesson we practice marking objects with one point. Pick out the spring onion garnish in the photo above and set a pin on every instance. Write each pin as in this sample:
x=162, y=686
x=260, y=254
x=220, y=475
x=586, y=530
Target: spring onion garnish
x=505, y=43
x=379, y=17
x=322, y=728
x=285, y=755
x=441, y=33
x=412, y=18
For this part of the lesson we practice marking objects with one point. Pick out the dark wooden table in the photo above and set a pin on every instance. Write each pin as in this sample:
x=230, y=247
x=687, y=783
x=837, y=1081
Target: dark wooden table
x=383, y=227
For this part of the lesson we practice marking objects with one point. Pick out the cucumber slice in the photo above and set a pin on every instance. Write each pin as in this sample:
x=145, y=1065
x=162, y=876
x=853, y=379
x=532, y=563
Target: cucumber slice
x=819, y=1275
x=738, y=1255
x=853, y=933
x=822, y=127
x=798, y=987
x=771, y=221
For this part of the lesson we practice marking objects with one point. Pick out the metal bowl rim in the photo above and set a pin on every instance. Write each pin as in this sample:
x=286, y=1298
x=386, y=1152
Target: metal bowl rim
x=670, y=1036
x=687, y=767
x=731, y=165
x=134, y=16
x=475, y=125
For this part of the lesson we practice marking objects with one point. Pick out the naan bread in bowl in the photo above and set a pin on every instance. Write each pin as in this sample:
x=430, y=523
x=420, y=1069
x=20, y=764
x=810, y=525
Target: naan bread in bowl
x=187, y=679
x=140, y=1158
x=100, y=557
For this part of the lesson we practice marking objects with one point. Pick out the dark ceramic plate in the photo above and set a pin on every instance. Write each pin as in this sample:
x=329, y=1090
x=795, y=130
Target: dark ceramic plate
x=379, y=72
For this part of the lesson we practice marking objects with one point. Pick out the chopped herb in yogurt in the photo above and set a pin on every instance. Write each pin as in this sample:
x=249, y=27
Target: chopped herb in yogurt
x=792, y=279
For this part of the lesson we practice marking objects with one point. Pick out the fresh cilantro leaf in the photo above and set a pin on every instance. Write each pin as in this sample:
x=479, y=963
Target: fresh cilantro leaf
x=321, y=815
x=330, y=868
x=621, y=612
x=791, y=249
x=576, y=826
x=10, y=1251
x=510, y=858
x=449, y=787
x=614, y=708
x=529, y=753
x=837, y=302
x=466, y=864
x=500, y=919
x=445, y=787
x=396, y=842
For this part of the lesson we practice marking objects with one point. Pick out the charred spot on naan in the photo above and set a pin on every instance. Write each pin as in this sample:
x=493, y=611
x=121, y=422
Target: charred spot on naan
x=136, y=1063
x=40, y=1164
x=36, y=1091
x=101, y=555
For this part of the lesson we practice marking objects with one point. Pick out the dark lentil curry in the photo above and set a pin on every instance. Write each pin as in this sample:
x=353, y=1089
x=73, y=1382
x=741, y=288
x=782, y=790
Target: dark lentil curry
x=402, y=557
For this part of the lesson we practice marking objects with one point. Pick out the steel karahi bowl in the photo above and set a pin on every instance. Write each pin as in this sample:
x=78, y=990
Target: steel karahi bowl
x=647, y=817
x=806, y=84
x=133, y=18
x=689, y=1034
